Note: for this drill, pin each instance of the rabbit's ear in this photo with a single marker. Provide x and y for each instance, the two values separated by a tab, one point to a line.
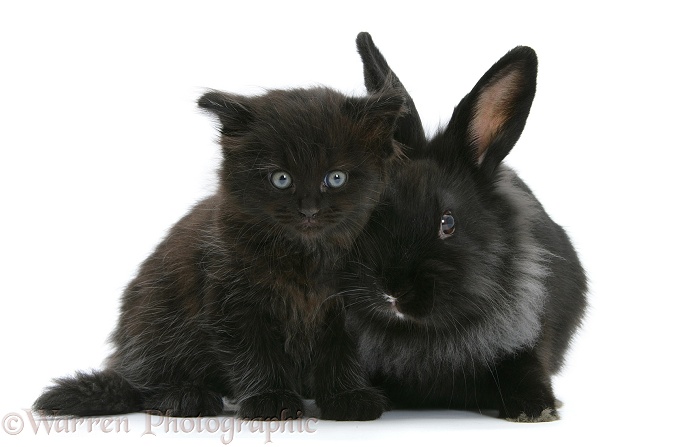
490	119
378	114
234	111
378	77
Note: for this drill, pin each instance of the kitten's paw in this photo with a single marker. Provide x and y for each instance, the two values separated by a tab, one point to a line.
364	404
529	412
281	405
185	402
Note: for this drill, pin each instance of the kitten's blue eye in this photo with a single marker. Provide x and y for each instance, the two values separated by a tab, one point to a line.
335	179
447	224
281	179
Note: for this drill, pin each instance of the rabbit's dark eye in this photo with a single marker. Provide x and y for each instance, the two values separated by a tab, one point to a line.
447	224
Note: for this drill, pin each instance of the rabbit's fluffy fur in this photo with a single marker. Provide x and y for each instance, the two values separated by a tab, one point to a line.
465	293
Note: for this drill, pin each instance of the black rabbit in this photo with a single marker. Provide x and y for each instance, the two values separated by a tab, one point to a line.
465	294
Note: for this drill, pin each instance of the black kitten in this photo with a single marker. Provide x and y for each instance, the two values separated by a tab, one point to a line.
470	292
240	299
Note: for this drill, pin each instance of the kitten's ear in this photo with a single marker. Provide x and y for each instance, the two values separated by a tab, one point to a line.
234	111
378	77
490	119
378	115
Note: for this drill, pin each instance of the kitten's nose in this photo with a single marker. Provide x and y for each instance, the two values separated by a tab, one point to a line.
308	207
309	212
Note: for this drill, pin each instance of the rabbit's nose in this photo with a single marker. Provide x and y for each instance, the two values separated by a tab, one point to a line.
393	301
390	298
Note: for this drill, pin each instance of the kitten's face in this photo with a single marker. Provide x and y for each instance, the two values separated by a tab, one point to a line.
307	169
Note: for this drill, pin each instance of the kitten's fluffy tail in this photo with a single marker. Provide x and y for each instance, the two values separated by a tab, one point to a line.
90	394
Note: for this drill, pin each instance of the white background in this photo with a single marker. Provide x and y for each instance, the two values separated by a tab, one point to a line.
102	149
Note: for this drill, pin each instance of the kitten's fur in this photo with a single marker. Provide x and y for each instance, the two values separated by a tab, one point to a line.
239	300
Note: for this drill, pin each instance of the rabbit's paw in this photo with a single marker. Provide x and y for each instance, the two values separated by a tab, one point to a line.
528	412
